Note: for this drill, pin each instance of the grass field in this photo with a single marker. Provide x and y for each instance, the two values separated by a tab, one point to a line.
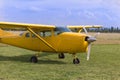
104	64
107	38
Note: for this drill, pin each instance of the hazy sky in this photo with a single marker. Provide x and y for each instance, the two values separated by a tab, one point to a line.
62	12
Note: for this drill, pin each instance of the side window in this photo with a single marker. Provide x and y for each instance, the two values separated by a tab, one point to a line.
46	33
27	35
42	34
33	36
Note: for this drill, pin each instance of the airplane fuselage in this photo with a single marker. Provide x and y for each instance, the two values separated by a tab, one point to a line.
67	42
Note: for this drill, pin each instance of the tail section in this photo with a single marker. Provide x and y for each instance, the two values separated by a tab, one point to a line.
4	34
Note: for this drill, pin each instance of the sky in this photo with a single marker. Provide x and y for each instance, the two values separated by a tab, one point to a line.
62	12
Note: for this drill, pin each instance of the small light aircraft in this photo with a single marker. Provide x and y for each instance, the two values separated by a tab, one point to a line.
48	38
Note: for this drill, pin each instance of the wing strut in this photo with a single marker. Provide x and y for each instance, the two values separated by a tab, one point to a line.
50	46
79	30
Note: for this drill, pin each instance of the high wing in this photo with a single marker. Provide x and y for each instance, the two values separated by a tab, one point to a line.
12	25
30	27
86	26
79	28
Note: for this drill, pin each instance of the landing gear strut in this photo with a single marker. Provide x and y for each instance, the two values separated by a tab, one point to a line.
61	56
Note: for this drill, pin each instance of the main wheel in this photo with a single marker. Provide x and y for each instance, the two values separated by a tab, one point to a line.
76	61
61	56
33	59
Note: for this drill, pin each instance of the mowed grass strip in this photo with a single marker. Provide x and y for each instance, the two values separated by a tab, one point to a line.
104	64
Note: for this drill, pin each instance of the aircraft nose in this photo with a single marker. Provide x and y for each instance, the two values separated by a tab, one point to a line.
90	39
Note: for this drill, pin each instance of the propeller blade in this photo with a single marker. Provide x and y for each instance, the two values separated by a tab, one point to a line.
88	53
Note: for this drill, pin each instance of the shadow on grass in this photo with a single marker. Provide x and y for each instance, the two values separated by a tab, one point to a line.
26	58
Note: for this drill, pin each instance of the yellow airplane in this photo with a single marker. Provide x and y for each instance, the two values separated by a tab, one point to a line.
48	38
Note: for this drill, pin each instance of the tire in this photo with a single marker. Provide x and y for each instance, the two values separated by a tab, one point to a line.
33	59
61	56
76	61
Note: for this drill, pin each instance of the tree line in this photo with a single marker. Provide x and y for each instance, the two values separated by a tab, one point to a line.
106	30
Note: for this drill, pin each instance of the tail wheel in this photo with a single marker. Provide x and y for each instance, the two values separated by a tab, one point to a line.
33	59
76	61
61	56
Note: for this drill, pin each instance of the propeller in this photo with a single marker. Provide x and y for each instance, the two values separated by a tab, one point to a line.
90	39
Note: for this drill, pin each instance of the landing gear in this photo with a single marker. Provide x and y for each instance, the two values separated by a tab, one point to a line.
61	56
33	59
76	61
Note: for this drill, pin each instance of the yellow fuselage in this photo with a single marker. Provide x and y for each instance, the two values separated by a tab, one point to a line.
67	42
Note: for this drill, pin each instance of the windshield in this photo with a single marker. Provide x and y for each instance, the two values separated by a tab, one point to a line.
62	29
59	30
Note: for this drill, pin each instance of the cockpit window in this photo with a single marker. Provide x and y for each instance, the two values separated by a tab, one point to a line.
46	33
33	36
59	30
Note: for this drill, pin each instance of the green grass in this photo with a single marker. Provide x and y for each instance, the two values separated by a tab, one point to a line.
104	64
